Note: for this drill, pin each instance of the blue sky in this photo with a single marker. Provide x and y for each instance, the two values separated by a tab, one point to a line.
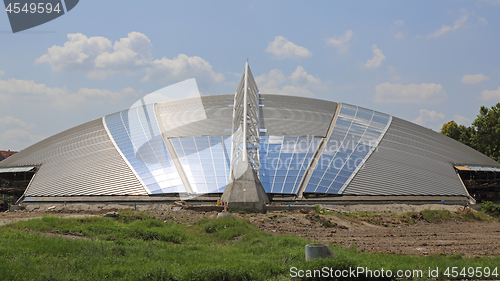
428	62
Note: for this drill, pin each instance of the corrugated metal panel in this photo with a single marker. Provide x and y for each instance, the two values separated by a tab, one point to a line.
187	113
295	116
280	115
412	160
79	161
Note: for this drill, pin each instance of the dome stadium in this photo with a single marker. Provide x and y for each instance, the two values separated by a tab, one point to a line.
300	149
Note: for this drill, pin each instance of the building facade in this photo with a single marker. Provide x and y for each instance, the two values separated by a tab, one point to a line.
307	148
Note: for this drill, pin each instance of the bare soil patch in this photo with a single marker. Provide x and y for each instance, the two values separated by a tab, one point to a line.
469	239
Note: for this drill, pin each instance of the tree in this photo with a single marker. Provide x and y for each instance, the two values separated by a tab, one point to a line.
483	135
451	130
486	137
457	132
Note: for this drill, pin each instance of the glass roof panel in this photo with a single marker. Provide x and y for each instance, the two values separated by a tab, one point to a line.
137	135
355	134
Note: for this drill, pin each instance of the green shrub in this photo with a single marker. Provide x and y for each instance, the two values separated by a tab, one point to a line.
432	215
490	208
227	228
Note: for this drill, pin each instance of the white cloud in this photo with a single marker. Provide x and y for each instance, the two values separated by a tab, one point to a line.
271	83
14	133
342	42
461	120
399	22
411	93
399	35
271	80
181	68
490	95
446	28
99	58
430	119
12	121
474	78
300	78
28	91
282	48
78	53
132	51
15	139
482	21
1	73
295	91
378	58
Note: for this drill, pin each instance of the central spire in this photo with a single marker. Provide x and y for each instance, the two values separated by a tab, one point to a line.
244	190
245	127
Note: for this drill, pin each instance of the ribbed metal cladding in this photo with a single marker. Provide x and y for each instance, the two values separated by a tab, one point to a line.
295	116
79	161
279	115
216	109
413	160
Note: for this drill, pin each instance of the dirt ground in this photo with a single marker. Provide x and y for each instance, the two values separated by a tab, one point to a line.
469	239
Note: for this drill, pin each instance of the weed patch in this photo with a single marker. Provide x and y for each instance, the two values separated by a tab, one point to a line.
491	208
142	248
226	228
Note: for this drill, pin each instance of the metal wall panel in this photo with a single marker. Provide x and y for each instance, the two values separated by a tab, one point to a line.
216	109
295	116
79	161
279	115
413	160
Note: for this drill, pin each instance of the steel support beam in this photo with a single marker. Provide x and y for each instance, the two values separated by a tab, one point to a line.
245	127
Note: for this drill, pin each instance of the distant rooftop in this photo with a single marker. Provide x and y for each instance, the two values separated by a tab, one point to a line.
6	154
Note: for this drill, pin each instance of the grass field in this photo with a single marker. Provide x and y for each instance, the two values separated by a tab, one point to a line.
490	213
136	246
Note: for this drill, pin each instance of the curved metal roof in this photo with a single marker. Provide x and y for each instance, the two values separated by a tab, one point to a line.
78	161
279	115
191	152
413	160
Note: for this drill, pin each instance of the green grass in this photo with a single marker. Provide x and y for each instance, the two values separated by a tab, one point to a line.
135	246
390	219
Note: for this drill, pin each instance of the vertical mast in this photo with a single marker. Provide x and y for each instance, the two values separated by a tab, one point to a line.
245	127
